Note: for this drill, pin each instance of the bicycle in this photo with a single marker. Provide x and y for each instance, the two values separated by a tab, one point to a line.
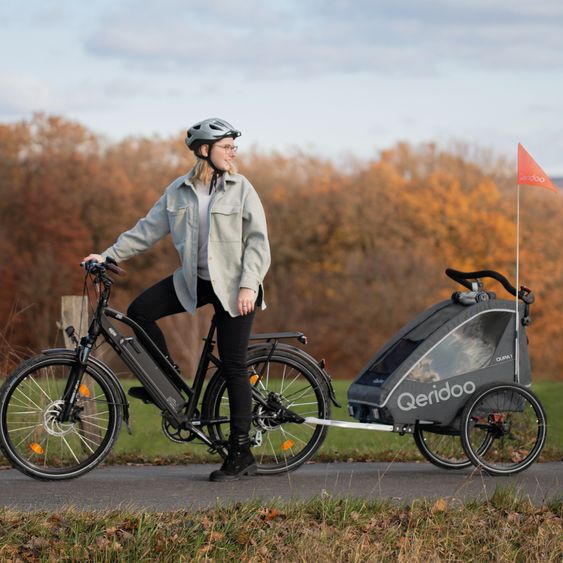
56	423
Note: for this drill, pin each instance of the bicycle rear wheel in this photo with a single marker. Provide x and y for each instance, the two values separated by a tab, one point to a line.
290	387
515	419
32	437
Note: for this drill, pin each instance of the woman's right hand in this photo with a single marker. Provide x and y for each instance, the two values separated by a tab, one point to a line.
96	257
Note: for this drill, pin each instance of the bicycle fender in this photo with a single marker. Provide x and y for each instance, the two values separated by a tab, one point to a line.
105	370
310	360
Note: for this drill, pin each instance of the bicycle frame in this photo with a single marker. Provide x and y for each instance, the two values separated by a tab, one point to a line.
170	393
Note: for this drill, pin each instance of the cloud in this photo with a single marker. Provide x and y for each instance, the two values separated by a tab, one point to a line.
314	37
23	94
20	93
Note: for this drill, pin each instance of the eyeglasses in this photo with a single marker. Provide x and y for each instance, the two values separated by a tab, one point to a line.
228	148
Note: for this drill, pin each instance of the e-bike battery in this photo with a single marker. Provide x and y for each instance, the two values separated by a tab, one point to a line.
159	387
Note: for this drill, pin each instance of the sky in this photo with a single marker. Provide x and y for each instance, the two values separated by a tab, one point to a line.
331	77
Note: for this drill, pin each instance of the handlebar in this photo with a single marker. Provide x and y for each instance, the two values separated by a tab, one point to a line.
94	267
525	293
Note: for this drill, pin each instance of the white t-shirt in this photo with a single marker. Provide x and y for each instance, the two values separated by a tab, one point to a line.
203	198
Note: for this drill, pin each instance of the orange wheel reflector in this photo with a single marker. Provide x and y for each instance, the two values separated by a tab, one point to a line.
287	444
36	448
254	378
84	390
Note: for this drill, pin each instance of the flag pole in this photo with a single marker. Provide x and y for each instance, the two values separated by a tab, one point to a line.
517	327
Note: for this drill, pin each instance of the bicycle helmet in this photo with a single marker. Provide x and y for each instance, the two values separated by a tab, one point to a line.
209	131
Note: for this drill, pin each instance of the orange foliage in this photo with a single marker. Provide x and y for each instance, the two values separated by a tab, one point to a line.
356	252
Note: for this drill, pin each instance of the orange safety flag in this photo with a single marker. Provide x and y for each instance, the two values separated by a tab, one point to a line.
530	172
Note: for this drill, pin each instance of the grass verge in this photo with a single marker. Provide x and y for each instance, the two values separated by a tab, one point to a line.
504	528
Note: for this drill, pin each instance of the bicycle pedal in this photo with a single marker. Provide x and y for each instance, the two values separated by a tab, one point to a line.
140	393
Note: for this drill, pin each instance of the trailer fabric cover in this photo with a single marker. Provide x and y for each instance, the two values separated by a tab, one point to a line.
391	363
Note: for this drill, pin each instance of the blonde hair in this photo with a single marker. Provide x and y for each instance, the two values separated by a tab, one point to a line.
203	172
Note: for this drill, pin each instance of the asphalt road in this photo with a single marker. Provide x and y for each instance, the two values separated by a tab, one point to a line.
183	487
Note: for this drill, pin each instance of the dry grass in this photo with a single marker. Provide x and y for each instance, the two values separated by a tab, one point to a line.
10	355
505	528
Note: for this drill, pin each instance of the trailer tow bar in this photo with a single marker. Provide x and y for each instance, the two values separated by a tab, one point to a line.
344	424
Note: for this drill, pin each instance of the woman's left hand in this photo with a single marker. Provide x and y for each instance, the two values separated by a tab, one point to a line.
246	300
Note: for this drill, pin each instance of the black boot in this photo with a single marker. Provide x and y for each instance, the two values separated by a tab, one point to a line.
239	461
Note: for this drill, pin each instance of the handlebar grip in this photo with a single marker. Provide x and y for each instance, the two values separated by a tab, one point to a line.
116	269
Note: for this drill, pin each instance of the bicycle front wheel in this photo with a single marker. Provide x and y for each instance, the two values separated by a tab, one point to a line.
286	390
34	439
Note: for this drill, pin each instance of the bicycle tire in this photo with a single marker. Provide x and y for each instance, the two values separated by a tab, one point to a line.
278	451
81	444
515	417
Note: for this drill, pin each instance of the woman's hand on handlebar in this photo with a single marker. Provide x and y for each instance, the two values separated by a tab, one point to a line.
93	257
109	264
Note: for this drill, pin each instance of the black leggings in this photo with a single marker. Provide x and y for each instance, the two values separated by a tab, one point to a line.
161	300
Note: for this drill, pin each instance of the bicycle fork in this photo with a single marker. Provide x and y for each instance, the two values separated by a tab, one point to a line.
75	379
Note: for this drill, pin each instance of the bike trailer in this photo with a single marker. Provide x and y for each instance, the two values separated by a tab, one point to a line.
428	370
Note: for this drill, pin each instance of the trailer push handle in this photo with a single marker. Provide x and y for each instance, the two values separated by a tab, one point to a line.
525	294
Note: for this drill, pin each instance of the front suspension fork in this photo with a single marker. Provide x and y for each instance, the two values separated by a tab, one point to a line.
75	379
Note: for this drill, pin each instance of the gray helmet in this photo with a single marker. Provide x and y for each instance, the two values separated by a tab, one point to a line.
209	131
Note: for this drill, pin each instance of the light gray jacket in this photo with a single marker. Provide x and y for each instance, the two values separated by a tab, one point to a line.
238	248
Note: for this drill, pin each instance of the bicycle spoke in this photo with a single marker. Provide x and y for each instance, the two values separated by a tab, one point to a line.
41	389
302	394
285	440
291	383
29	399
19	403
84	431
288	433
85	442
301	404
304	388
283	379
97	415
25	428
272	446
25	438
71	450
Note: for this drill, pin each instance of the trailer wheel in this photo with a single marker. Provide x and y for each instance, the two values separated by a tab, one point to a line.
516	421
443	447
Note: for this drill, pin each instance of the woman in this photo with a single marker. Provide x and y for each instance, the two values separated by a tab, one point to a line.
219	229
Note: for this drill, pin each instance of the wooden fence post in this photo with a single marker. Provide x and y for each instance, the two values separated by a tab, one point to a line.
74	311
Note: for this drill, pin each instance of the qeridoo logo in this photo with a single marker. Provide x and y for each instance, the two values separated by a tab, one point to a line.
408	401
532	178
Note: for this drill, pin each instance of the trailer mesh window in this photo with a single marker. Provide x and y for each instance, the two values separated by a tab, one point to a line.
471	346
